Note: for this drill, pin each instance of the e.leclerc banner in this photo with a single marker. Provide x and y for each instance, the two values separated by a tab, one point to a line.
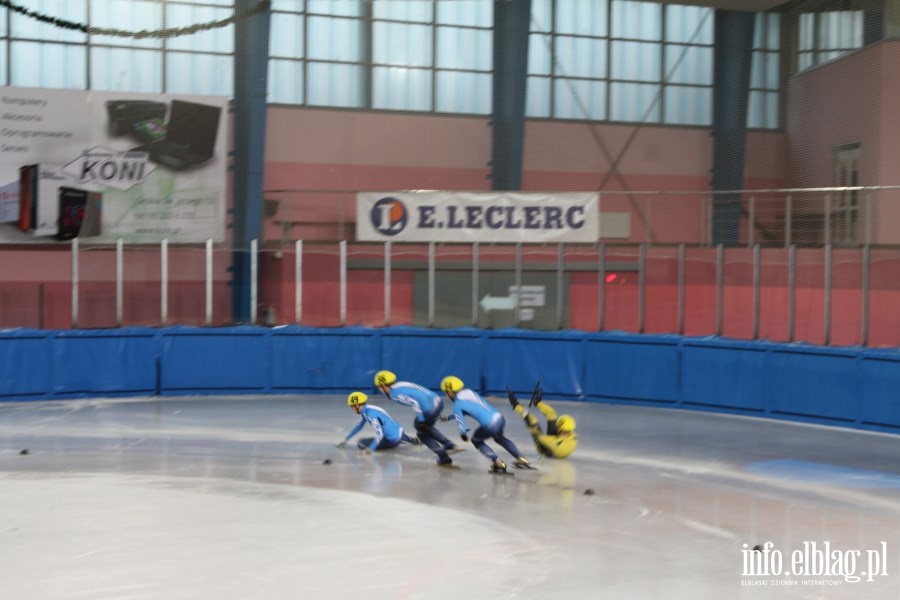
111	165
528	217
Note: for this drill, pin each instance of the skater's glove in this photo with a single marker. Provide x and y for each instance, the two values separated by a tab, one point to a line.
342	445
464	437
445	418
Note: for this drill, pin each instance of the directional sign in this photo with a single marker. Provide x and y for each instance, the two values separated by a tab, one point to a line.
489	303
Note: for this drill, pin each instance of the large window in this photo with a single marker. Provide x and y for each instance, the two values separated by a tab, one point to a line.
199	63
605	60
824	36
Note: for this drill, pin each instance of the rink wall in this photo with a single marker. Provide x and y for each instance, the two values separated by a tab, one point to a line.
854	387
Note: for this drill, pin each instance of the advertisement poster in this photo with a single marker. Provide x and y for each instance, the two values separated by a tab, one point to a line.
526	217
111	165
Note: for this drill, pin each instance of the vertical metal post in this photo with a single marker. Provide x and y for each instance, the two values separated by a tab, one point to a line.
387	283
827	292
866	263
710	218
681	291
164	282
560	283
518	292
720	287
792	290
120	273
757	308
648	232
642	282
868	233
254	280
298	281
751	221
827	209
431	279
209	282
75	276
475	290
788	221
342	250
601	286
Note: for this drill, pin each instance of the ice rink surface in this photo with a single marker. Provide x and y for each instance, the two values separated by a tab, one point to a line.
231	498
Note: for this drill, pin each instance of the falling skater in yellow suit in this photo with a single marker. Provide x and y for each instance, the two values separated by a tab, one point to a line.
560	440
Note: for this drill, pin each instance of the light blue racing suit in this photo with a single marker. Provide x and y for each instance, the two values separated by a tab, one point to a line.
490	423
428	406
388	432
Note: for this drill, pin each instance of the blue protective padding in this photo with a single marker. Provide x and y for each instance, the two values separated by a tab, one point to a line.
880	375
323	359
426	356
517	358
108	361
814	382
632	367
724	374
24	363
229	359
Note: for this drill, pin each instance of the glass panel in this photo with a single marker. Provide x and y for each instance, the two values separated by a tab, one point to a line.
580	99
661	290
289	5
200	74
537	103
48	65
334	39
636	61
401	44
463	93
334	85
286	36
542	15
581	57
220	38
621	291
402	10
582	17
464	49
689	24
636	20
128	15
4	75
124	70
343	8
807	32
737	295
700	291
540	61
399	88
285	82
771	110
634	102
479	13
689	64
23	26
846	297
688	105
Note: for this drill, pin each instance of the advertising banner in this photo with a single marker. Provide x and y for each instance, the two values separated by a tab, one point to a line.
111	165
465	217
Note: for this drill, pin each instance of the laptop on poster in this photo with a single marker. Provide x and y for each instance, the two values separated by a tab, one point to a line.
190	136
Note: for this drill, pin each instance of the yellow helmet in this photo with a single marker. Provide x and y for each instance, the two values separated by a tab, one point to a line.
384	378
565	424
451	383
356	399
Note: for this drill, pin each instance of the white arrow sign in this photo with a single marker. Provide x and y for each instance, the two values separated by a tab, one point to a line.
489	303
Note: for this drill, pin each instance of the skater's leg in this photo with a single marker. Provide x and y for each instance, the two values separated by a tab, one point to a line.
425	433
478	438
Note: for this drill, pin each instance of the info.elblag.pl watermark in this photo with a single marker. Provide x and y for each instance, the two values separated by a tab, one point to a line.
814	563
